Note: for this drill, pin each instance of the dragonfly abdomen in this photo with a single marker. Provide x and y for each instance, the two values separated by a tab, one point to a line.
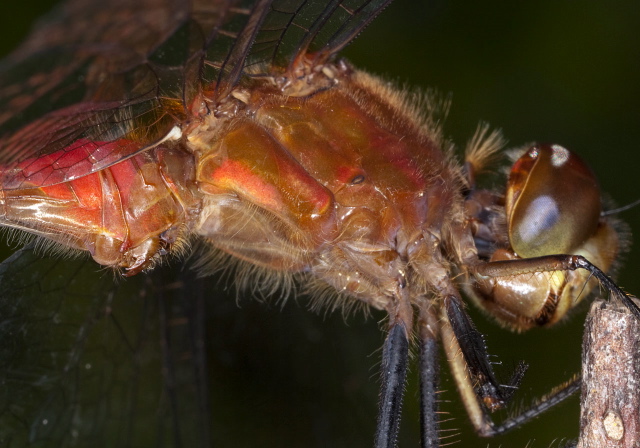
124	215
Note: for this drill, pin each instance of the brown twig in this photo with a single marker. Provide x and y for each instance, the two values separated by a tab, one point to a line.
610	400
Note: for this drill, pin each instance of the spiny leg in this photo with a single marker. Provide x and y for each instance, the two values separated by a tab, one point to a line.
553	398
552	263
393	371
480	390
428	334
493	394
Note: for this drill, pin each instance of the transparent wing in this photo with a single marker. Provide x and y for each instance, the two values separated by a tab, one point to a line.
285	31
313	29
86	362
81	360
97	82
115	76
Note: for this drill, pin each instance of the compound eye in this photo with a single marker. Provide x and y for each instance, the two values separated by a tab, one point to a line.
552	202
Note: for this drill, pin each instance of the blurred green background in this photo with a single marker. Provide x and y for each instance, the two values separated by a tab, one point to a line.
550	71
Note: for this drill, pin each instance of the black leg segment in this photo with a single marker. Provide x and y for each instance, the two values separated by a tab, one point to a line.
429	384
393	371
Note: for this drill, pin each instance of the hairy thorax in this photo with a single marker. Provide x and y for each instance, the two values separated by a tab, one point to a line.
343	184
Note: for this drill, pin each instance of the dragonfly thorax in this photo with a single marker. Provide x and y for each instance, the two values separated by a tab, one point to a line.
344	184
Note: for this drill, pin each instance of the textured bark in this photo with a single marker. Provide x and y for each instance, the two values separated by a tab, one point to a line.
610	400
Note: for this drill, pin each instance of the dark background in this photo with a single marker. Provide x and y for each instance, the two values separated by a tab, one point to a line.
550	71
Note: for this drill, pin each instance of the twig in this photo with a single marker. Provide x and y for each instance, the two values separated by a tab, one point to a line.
610	400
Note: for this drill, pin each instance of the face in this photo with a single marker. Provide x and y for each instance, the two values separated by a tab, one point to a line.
541	74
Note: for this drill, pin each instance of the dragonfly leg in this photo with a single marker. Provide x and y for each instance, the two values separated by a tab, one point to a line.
552	263
479	387
393	372
428	334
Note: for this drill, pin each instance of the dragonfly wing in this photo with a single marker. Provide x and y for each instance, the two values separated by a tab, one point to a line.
117	74
98	82
278	33
80	358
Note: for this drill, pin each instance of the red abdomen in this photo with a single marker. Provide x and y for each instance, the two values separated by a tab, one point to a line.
117	214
